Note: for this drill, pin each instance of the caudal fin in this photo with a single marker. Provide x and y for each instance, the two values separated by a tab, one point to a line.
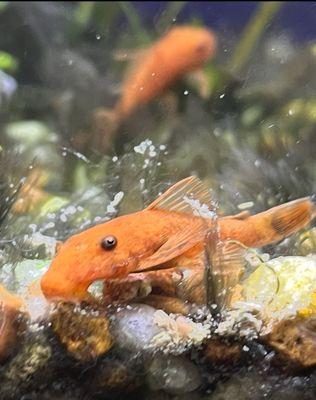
281	221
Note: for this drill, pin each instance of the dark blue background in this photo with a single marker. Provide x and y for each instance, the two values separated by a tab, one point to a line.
298	18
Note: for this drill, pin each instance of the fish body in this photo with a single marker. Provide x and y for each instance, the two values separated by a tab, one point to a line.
11	322
182	50
168	238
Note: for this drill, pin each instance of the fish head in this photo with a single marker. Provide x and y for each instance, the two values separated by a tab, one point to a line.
192	45
107	251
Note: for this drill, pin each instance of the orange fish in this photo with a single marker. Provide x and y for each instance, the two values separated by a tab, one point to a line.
182	50
11	321
169	245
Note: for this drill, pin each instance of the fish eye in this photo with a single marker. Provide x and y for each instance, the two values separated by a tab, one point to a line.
109	242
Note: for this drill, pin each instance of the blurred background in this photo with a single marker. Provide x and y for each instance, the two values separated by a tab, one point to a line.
246	124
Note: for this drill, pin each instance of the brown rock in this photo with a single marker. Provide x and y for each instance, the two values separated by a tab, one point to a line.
295	341
83	332
223	352
113	376
12	323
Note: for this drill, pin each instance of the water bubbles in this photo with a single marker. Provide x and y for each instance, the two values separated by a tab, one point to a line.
111	208
152	151
246	205
217	132
257	163
98	36
63	218
142	147
146	163
201	210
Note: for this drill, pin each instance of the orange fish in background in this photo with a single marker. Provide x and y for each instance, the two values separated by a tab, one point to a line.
31	195
169	246
182	50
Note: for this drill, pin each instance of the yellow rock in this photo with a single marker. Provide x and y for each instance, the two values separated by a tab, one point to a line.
282	287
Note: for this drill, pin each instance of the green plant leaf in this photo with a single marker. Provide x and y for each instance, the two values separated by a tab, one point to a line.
8	62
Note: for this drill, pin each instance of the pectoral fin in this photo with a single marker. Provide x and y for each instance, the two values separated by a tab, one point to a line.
176	245
224	267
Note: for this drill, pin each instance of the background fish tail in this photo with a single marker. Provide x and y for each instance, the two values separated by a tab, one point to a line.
106	123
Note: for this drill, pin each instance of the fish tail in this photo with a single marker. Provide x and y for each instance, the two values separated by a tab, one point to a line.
106	123
281	221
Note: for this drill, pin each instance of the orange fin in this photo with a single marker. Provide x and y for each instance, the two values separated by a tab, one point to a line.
225	264
187	196
199	79
191	286
284	220
175	246
288	218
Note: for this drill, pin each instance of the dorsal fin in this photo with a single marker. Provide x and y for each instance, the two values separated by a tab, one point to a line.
188	196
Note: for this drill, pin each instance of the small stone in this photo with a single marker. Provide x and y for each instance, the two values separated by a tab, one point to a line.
34	355
134	327
85	333
175	375
29	132
113	375
222	352
307	242
294	339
